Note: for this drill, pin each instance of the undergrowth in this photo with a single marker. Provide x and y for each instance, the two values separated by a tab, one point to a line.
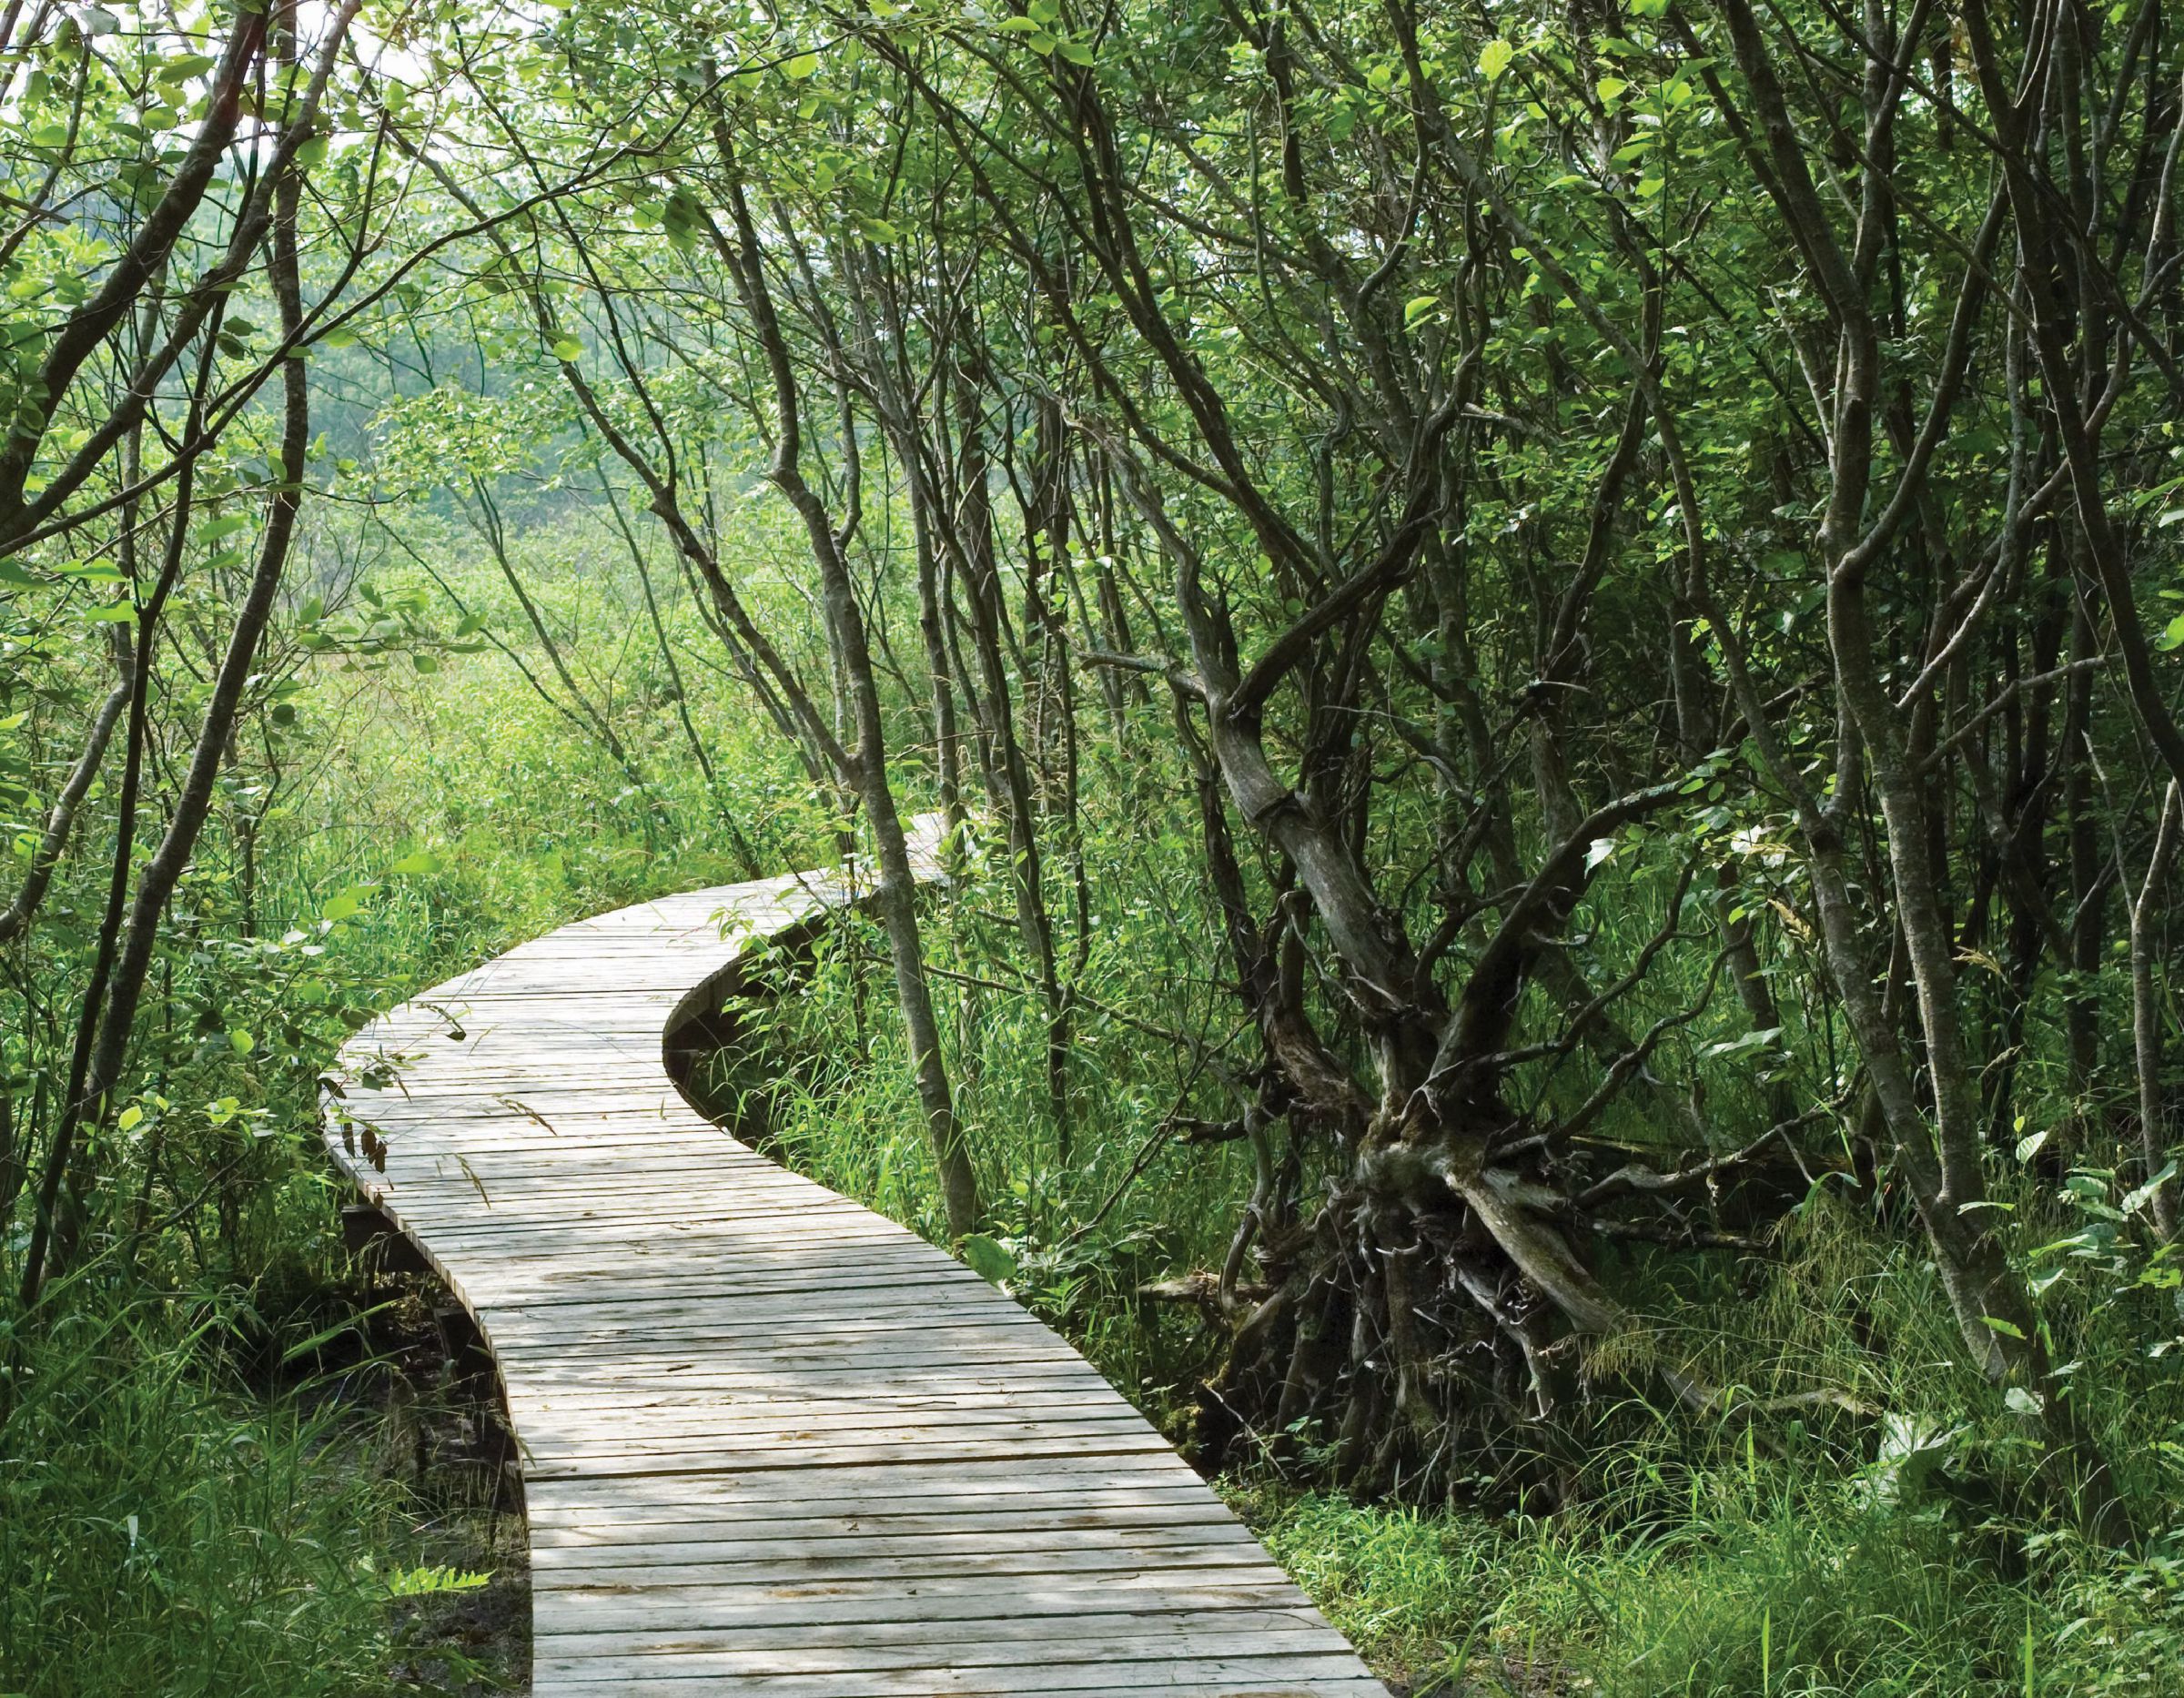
185	1511
1779	1585
167	1528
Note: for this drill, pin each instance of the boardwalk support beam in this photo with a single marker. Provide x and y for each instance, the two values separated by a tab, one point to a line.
368	1235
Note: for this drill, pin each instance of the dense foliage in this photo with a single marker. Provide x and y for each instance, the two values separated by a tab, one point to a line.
1549	633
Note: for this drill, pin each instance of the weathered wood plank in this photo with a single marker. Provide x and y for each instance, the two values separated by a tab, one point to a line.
1291	1677
1070	1521
1121	1639
1281	1671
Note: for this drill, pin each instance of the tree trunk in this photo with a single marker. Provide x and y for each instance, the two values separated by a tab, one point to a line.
896	896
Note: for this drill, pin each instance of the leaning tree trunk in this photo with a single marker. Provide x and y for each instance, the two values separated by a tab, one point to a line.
896	896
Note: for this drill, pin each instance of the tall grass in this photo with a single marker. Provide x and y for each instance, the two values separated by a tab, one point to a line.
1789	1585
165	1529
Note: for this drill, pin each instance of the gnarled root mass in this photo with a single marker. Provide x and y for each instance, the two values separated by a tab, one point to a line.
1425	1324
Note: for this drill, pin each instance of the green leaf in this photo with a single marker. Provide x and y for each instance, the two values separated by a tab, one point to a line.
2141	1196
241	1042
420	1582
421	865
130	1118
2009	1329
680	216
1493	60
2173	637
1610	88
987	1260
803	65
1417	307
567	348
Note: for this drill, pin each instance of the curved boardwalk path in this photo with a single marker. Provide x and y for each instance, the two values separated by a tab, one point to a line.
773	1445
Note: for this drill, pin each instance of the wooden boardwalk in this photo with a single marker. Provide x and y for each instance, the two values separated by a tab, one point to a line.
773	1445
